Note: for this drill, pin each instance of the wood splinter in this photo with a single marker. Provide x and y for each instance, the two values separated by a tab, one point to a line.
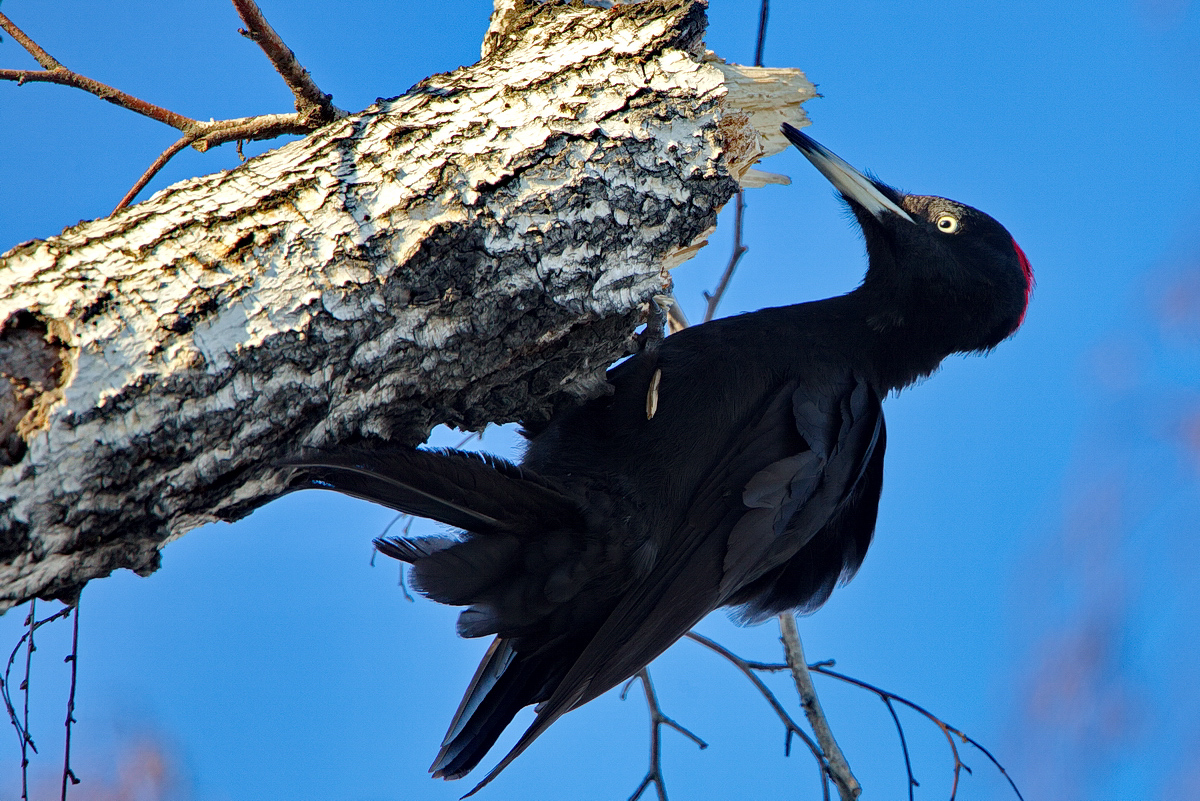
652	394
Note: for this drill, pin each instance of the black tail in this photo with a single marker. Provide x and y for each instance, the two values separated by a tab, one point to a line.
502	507
496	569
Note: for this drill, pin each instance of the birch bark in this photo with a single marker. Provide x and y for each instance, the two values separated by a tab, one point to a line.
476	250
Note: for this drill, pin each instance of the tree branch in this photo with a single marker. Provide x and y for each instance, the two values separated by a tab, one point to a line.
839	769
68	775
313	108
791	727
912	780
825	669
654	775
22	729
26	739
43	58
739	250
310	100
760	43
949	731
204	135
477	250
153	169
54	72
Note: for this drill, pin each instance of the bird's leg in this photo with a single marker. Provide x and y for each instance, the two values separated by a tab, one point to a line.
650	339
656	321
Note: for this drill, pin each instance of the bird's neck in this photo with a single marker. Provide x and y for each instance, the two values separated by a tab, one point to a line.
892	343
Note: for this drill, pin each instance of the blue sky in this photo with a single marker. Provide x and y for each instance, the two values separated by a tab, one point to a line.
1034	577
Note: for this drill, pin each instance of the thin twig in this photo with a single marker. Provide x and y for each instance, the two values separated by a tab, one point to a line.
375	551
309	97
762	34
839	769
739	250
947	729
205	135
657	720
791	727
23	731
399	516
55	72
314	108
468	438
69	774
39	55
29	649
408	525
153	169
912	780
888	698
66	77
400	578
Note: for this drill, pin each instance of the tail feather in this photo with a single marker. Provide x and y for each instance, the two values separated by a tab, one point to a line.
410	549
471	491
465	573
505	683
497	659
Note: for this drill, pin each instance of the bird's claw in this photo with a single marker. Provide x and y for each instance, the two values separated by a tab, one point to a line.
656	321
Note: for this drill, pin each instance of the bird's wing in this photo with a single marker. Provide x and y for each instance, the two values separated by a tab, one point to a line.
799	498
471	491
805	580
800	447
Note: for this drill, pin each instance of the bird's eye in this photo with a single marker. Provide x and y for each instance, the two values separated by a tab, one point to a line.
946	223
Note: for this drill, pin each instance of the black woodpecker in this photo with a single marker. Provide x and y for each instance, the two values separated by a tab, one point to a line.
737	463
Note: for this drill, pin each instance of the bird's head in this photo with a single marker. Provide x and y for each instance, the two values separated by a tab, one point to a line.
942	269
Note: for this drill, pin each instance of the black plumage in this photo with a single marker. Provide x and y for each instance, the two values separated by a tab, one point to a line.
736	463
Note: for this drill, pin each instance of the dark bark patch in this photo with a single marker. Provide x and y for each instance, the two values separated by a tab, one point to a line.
96	307
35	362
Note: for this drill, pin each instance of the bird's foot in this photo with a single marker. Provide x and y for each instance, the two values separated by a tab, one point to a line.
656	322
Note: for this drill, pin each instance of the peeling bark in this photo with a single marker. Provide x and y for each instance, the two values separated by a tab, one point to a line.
476	250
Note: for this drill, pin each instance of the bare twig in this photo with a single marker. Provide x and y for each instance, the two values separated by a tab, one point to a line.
5	684
39	55
888	698
839	769
25	741
657	720
310	100
739	249
762	34
54	72
791	727
468	438
204	135
949	731
314	108
68	774
374	551
912	780
153	169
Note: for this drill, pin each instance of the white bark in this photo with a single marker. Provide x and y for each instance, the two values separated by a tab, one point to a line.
478	249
